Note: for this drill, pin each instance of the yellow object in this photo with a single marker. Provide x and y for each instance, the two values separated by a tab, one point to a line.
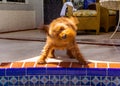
107	18
87	22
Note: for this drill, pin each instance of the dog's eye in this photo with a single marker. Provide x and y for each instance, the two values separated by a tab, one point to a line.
62	28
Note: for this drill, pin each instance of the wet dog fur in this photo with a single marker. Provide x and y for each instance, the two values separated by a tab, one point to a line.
61	34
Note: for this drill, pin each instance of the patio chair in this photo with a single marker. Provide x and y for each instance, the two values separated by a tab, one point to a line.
107	18
89	19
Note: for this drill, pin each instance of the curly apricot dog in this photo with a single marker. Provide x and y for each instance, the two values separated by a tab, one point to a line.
61	34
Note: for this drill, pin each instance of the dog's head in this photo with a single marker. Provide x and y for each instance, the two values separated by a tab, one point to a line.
63	28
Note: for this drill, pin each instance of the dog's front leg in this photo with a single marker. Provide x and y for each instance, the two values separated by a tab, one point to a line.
51	53
44	54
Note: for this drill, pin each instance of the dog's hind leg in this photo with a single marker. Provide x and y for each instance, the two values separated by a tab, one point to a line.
69	53
77	54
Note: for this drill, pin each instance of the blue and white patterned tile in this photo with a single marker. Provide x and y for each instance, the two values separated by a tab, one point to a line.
44	80
3	81
85	80
54	80
115	81
96	81
106	81
64	80
75	80
34	80
13	80
23	80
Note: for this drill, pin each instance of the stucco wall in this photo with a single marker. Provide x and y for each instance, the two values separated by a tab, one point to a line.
13	20
31	15
38	7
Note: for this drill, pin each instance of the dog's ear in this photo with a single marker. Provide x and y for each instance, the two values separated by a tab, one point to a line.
75	20
44	28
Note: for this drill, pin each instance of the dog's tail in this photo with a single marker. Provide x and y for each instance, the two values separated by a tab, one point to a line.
44	28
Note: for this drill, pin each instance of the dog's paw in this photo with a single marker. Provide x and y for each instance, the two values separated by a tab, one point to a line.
41	61
83	62
51	57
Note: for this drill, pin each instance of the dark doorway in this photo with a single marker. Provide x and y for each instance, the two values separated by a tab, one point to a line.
52	10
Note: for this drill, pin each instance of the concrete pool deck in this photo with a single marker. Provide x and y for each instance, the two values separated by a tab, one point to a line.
24	47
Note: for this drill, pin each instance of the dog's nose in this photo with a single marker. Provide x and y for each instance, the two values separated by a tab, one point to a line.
64	36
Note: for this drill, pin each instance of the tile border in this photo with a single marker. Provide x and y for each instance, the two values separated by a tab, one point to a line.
60	71
72	68
60	76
